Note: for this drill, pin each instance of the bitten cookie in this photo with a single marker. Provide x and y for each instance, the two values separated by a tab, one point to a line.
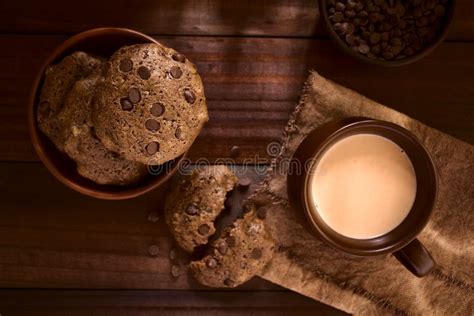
94	161
237	255
195	201
151	105
58	82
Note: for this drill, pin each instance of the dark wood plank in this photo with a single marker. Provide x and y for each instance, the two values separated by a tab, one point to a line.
53	237
252	85
279	18
53	302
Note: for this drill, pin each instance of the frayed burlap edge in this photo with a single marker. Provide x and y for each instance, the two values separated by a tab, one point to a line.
342	292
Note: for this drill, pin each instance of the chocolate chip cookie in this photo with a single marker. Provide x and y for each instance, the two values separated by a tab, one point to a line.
58	82
151	105
94	161
237	255
195	201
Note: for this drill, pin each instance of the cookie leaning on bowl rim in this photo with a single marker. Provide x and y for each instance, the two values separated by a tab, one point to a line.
150	105
58	83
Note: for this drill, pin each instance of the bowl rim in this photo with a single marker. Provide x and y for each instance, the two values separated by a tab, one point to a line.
34	132
392	63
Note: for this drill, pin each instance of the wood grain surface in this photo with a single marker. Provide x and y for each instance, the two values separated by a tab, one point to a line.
53	302
54	237
277	18
252	85
82	256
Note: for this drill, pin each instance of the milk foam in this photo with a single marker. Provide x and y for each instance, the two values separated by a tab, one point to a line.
363	186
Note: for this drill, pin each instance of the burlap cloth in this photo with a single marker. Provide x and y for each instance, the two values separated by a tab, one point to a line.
375	285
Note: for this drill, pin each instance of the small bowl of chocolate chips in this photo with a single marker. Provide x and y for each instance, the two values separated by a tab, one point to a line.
387	32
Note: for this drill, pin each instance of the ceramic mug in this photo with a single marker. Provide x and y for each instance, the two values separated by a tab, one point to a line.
401	241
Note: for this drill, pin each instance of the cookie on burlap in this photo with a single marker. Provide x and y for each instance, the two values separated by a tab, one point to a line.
151	105
195	201
242	251
94	161
58	82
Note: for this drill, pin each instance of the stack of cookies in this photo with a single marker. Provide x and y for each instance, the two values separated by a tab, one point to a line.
143	106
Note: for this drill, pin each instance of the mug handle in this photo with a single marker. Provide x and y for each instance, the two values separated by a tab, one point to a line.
415	258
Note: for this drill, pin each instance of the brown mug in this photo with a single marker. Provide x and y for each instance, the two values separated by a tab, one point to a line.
401	241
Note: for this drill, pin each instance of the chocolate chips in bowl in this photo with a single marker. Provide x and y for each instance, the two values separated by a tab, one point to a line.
387	32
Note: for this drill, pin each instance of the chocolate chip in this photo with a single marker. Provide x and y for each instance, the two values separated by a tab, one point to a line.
222	246
262	213
366	35
204	229
157	109
189	96
134	95
144	73
126	65
350	28
350	13
351	39
153	250
235	151
153	217
229	282
178	133
364	49
339	6
364	21
231	241
176	72
179	57
363	15
387	55
152	148
244	182
113	154
374	38
152	125
337	17
211	263
396	41
388	24
256	253
173	254
350	4
192	209
175	270
126	104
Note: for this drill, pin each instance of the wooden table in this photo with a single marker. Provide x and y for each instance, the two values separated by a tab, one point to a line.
61	252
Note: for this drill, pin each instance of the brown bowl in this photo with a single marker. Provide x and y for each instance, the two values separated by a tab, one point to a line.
100	42
402	240
323	9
